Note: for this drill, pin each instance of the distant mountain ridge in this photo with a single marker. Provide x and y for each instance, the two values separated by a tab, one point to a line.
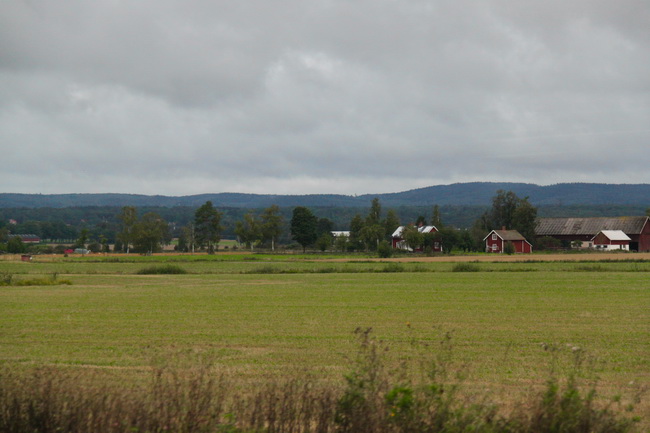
467	194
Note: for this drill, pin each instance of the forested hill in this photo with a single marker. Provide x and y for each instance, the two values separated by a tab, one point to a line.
458	194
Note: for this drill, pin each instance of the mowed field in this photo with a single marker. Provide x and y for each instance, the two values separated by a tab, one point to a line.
257	317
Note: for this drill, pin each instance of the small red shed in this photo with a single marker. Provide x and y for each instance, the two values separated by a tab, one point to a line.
496	240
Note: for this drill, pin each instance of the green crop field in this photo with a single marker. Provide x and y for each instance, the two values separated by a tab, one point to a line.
264	316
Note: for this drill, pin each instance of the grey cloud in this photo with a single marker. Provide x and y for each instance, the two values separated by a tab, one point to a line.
323	95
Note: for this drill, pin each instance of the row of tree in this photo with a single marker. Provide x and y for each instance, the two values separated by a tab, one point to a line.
371	232
150	232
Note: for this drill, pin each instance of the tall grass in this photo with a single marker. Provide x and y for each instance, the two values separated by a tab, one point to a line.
422	395
162	270
7	279
465	267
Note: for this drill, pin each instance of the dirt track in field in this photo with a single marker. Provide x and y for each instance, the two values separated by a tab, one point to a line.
508	258
560	257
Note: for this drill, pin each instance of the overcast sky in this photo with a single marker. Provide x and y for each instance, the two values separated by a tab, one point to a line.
321	96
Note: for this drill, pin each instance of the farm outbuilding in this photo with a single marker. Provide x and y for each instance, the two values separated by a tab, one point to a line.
496	241
611	240
572	230
26	238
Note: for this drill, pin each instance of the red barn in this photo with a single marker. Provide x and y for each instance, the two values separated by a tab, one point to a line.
27	238
569	230
611	240
496	240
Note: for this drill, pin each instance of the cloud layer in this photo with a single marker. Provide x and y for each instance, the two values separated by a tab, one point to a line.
363	96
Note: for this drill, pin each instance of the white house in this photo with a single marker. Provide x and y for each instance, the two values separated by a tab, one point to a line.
400	244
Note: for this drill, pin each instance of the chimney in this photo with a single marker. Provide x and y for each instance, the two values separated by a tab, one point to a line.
503	228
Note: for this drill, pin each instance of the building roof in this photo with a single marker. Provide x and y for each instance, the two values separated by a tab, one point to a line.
25	237
507	235
421	229
589	226
615	235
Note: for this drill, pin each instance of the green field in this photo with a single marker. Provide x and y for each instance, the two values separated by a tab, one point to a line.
269	316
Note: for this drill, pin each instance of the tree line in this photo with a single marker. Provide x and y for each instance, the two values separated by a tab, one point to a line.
266	228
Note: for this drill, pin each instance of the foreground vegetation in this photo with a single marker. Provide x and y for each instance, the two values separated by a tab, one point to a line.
423	395
251	342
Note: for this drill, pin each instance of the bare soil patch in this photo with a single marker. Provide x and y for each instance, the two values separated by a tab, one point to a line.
560	257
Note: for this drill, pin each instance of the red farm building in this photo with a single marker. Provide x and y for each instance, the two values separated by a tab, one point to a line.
611	240
27	238
496	241
570	230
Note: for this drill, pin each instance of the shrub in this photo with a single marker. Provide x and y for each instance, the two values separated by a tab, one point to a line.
164	269
465	267
7	279
15	245
590	268
568	410
95	247
393	267
384	250
375	399
60	249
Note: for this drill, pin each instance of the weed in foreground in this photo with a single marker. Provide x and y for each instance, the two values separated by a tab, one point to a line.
373	399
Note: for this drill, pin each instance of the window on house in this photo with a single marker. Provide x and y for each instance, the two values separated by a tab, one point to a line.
494	236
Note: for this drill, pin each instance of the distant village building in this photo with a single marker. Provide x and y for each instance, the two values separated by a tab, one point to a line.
27	238
496	241
582	231
611	240
337	234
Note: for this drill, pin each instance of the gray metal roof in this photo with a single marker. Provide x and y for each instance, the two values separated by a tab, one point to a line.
508	235
589	226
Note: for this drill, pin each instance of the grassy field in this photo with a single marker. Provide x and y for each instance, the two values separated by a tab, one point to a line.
261	316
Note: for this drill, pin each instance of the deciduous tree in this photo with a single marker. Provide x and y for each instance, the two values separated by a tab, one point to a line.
413	237
525	219
511	212
272	223
207	227
504	204
128	218
303	227
324	241
324	226
82	239
150	233
356	225
391	223
248	230
15	245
